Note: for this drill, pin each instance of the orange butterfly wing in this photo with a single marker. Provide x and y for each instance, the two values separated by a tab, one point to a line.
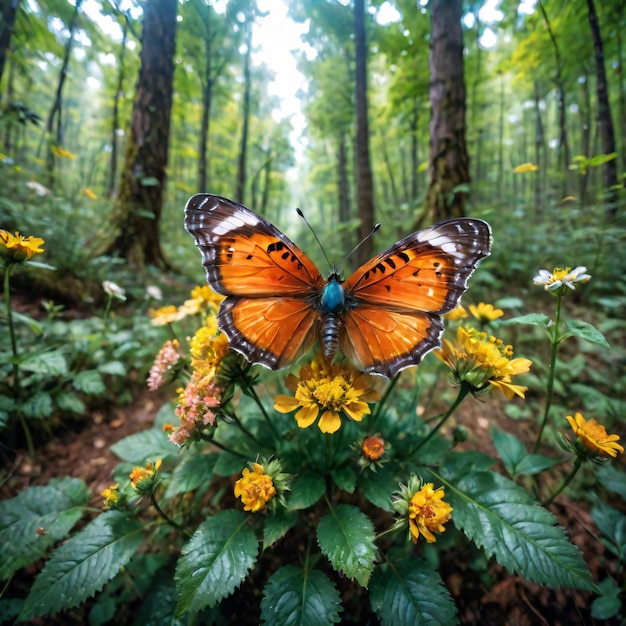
270	284
395	300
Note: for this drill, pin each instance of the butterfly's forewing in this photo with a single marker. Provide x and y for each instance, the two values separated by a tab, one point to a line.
397	298
269	282
245	255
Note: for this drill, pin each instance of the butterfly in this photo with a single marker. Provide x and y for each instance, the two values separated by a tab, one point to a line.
385	317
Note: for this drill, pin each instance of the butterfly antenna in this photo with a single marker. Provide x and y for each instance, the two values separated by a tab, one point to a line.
358	245
319	243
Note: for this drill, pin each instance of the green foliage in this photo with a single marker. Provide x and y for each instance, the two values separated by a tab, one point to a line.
297	597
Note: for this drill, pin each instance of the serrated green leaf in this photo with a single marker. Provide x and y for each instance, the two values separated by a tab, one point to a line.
609	604
584	330
51	363
38	405
535	319
193	471
89	382
55	508
148	445
346	538
295	597
411	592
533	464
67	401
159	607
306	489
507	523
378	486
509	447
276	525
84	564
215	561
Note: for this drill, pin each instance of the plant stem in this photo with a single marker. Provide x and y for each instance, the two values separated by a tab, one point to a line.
551	374
464	389
253	394
15	364
392	383
169	520
566	481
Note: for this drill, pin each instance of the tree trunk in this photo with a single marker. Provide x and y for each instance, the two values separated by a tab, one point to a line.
364	181
449	161
540	150
243	146
115	122
143	178
605	121
54	125
9	13
414	155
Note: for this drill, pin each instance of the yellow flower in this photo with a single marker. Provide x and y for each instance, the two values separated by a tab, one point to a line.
373	448
593	437
428	513
422	507
456	314
481	360
62	152
203	298
208	347
141	478
17	248
255	488
88	193
329	389
485	312
164	315
112	496
561	279
525	167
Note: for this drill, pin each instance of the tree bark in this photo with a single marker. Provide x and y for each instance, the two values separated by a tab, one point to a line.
605	121
449	160
9	13
243	146
144	174
364	181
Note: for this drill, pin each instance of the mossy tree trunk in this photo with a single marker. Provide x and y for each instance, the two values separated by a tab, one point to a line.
138	214
449	161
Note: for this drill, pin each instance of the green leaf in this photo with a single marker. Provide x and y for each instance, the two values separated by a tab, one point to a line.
55	508
113	368
608	605
509	447
535	319
533	464
215	561
345	478
84	564
503	518
27	320
148	445
193	471
38	405
584	330
67	401
276	525
228	464
346	537
51	363
378	486
295	597
612	524
612	479
410	591
306	490
89	382
510	302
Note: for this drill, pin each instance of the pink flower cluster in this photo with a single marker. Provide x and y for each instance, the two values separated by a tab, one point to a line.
167	357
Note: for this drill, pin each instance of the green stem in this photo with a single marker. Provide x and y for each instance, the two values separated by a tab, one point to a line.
221	446
244	430
253	394
566	481
464	389
551	374
15	364
168	519
390	387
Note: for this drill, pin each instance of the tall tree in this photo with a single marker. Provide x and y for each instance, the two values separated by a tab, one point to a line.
8	13
137	219
245	114
449	161
605	120
364	180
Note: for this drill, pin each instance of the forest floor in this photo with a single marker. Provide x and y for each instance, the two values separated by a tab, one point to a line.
486	597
